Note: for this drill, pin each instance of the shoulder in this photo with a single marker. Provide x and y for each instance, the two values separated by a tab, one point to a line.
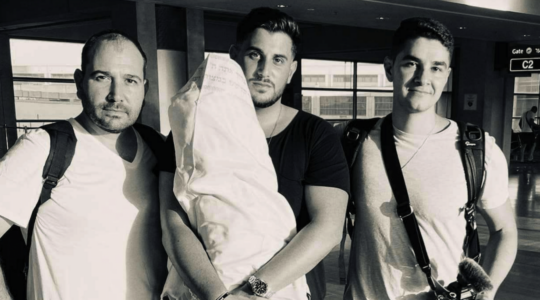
33	140
314	125
495	190
493	154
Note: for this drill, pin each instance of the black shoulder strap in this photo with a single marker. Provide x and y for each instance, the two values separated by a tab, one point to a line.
352	139
354	135
473	155
399	189
62	150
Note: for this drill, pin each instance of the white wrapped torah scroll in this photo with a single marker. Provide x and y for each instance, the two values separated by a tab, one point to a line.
225	180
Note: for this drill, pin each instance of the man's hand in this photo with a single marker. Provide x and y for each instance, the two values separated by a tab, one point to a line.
182	113
485	296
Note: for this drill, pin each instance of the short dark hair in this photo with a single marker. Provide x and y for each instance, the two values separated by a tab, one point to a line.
534	109
272	20
107	35
421	27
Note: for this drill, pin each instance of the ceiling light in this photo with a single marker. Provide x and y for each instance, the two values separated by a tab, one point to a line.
462	27
503	5
526	35
311	9
381	18
282	5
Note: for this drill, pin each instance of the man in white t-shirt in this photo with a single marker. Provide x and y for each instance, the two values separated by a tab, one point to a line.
99	235
382	264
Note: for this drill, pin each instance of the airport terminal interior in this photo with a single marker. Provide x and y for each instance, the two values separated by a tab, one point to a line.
495	74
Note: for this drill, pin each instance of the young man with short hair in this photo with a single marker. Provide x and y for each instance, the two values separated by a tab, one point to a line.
99	235
382	264
310	166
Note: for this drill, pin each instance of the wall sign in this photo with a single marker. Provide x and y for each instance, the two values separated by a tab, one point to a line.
524	58
525	64
470	101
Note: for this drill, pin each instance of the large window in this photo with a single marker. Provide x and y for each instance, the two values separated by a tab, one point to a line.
336	90
43	81
345	90
526	95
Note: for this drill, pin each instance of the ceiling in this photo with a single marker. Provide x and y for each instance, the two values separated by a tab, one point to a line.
520	22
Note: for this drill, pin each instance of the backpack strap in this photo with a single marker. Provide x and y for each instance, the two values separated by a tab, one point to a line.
352	139
399	189
154	140
473	155
62	150
354	135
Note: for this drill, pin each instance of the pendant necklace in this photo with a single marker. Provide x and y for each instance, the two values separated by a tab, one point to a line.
275	125
422	145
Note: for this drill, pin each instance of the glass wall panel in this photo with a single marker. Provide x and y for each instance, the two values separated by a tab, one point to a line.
522	103
328	104
45	100
372	77
327	74
40	102
44	59
374	104
527	85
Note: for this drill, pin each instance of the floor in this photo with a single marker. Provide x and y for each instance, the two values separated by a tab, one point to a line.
523	281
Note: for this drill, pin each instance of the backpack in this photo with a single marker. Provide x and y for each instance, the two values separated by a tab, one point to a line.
472	150
62	150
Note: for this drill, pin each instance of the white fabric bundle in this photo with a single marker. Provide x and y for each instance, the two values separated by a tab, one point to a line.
227	185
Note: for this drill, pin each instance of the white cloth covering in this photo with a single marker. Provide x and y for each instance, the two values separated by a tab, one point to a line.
231	194
99	236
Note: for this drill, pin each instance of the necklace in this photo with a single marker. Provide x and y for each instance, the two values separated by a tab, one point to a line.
275	125
421	145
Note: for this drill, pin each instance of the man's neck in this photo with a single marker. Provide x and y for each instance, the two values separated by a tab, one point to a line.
93	129
268	116
422	123
123	143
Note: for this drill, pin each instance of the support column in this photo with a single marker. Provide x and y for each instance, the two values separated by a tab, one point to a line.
8	136
146	33
195	39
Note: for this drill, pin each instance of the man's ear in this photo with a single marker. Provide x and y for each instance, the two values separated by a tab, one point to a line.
233	52
79	78
146	86
294	65
388	65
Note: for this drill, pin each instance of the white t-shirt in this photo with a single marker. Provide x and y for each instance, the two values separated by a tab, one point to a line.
99	235
382	264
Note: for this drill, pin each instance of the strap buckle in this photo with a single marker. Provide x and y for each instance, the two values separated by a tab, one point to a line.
354	131
411	211
50	182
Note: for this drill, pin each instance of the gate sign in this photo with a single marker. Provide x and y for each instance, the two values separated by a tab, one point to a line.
524	58
525	64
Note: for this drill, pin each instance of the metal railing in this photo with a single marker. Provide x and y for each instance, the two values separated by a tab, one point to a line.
23	126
